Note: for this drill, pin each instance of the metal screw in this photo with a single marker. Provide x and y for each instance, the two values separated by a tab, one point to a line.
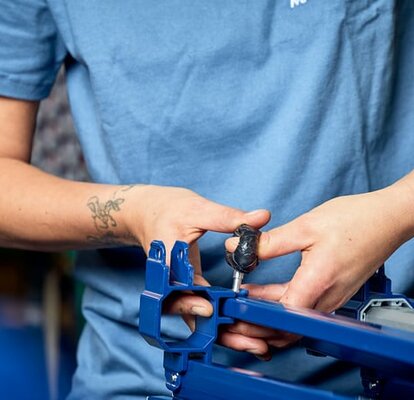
237	280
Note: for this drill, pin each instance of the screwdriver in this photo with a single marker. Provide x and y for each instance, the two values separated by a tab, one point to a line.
244	259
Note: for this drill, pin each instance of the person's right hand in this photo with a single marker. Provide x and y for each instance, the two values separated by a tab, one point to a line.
342	242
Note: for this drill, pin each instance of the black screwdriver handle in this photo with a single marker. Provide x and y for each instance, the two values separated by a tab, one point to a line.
245	259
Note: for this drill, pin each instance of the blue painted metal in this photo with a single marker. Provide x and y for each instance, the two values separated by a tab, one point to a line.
211	381
386	354
387	349
159	398
378	287
161	282
377	290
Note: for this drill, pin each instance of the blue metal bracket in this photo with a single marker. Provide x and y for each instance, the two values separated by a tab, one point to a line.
161	282
382	351
376	289
375	293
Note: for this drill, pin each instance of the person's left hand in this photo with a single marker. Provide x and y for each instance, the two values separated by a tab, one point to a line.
343	242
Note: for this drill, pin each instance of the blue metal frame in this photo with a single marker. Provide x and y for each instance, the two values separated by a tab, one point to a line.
378	287
204	381
386	354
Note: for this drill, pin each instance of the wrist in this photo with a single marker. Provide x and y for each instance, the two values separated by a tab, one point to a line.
111	212
400	198
132	217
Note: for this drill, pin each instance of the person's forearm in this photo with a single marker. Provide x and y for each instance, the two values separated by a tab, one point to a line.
42	212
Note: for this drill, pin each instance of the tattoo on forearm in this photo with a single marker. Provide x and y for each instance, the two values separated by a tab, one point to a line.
104	219
101	212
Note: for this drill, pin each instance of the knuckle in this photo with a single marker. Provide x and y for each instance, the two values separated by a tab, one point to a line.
229	215
265	240
243	329
306	224
236	328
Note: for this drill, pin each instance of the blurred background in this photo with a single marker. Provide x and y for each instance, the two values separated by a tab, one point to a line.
39	300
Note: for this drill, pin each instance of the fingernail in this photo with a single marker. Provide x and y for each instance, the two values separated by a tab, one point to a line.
201	311
255	352
232	241
260	355
265	357
255	212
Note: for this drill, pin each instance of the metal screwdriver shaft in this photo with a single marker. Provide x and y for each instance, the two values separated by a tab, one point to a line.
244	259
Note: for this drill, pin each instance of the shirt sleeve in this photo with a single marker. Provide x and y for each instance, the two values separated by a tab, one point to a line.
31	49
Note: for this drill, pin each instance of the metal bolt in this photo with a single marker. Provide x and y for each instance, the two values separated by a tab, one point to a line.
237	280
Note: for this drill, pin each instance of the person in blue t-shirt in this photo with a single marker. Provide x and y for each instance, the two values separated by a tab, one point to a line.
190	113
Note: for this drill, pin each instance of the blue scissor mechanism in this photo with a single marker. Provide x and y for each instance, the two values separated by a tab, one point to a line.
384	353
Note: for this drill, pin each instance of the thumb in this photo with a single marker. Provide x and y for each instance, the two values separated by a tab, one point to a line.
218	218
305	288
272	292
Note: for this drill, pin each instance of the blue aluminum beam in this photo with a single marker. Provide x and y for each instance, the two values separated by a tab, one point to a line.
382	348
213	382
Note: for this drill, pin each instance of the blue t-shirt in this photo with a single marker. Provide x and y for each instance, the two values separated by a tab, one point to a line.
254	104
